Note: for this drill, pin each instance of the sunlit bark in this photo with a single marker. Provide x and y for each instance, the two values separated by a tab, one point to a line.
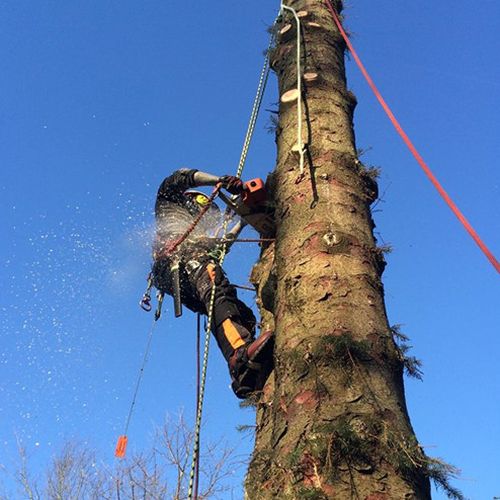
332	421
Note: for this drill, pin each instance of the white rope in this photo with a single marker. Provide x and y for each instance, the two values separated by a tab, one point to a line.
300	142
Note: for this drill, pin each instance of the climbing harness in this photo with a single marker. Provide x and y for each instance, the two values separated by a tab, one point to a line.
168	251
451	204
300	146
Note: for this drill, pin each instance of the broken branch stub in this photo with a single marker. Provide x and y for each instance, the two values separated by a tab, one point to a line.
290	96
310	76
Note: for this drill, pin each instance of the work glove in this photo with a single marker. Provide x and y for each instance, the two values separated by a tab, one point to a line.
232	184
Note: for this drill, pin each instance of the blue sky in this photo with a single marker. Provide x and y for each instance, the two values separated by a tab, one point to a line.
99	101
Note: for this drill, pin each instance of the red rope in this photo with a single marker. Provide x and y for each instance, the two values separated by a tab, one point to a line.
410	145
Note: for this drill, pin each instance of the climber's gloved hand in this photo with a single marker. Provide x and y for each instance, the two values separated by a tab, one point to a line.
232	184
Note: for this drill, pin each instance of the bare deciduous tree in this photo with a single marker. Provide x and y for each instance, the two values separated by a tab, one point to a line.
158	473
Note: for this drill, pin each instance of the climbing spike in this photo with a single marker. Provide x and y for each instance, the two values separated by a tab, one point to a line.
302	13
314	25
121	447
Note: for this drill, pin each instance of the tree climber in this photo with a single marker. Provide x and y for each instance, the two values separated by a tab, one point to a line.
233	322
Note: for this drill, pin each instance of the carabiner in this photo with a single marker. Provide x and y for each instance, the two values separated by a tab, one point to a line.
145	302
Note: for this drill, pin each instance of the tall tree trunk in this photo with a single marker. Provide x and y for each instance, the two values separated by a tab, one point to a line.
332	421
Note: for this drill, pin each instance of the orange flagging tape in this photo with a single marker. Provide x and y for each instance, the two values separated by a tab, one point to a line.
121	447
489	255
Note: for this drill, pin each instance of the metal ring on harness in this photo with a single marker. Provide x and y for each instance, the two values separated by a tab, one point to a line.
145	303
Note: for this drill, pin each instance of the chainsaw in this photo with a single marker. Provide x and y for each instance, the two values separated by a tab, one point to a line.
253	206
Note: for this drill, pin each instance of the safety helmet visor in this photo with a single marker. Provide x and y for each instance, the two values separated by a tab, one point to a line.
198	200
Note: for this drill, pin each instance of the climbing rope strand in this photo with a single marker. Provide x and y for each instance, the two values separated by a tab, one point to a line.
300	142
243	240
193	476
264	76
141	373
454	208
193	484
201	392
250	240
198	378
243	287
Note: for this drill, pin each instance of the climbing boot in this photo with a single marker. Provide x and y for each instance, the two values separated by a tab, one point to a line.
251	364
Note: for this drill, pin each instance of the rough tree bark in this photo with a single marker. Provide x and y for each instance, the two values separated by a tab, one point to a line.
332	420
